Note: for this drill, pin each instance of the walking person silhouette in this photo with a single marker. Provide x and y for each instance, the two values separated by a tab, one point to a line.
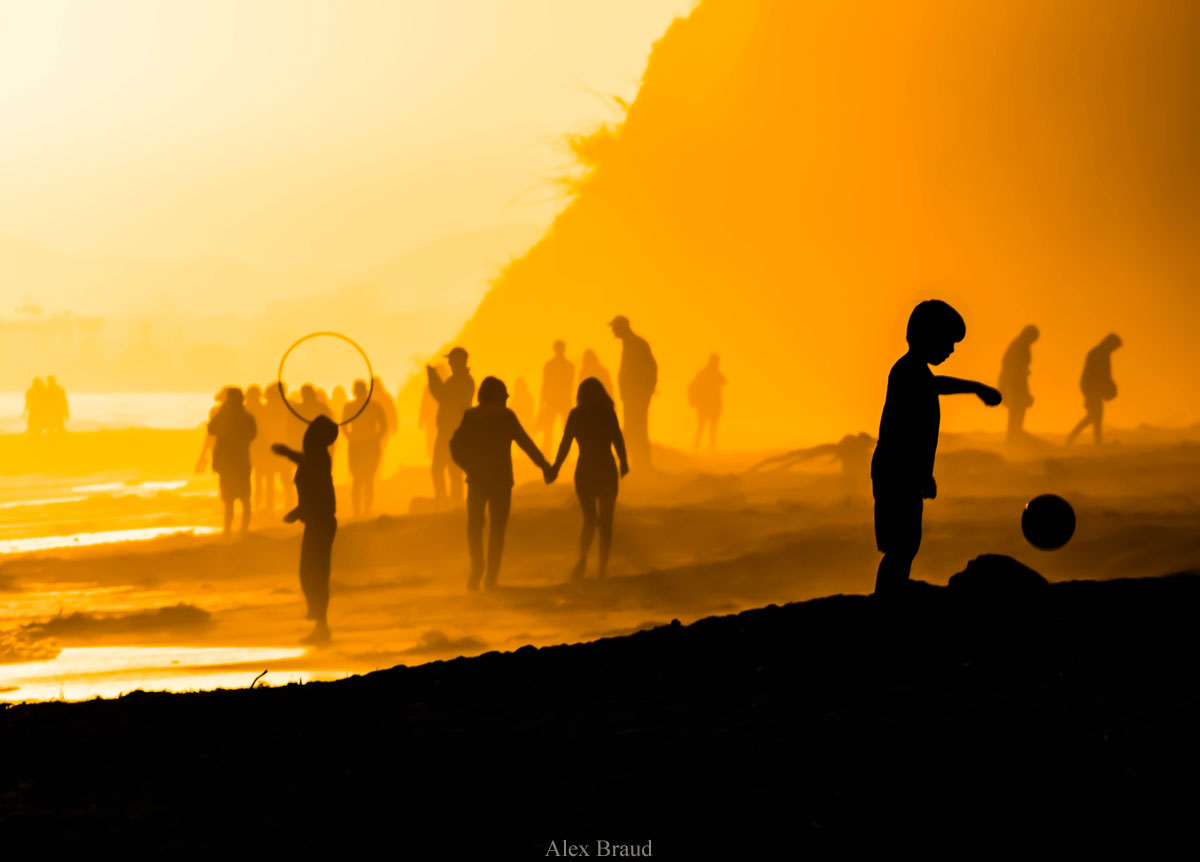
558	375
317	510
453	396
233	430
704	393
1098	386
902	467
637	380
482	446
1014	381
593	425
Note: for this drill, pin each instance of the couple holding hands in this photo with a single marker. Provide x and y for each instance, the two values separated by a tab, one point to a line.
482	447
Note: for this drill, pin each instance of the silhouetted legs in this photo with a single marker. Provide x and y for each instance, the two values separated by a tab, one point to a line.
597	512
1095	418
316	552
497	501
1016	424
289	490
229	514
261	480
709	419
364	466
235	486
637	432
894	570
898	535
442	464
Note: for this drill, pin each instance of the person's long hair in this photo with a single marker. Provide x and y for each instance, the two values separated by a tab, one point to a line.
593	395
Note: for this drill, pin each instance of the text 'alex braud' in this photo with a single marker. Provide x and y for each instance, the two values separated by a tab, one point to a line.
599	848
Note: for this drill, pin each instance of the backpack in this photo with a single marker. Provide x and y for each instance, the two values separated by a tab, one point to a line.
466	443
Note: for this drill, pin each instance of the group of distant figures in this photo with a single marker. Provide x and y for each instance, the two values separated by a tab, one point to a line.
1097	385
46	410
450	391
476	442
471	443
243	425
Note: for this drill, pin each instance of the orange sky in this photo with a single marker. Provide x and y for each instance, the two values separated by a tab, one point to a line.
284	133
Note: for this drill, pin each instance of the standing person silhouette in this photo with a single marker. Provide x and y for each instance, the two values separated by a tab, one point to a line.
1098	386
277	422
57	412
427	414
1014	381
365	447
593	424
317	510
482	446
453	396
589	366
704	393
233	430
260	446
637	380
902	467
558	376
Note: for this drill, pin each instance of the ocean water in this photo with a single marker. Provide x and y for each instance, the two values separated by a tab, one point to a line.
92	411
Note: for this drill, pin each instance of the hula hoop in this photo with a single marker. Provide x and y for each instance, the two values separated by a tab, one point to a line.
352	343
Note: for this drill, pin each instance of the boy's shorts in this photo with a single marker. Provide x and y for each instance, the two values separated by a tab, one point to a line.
898	522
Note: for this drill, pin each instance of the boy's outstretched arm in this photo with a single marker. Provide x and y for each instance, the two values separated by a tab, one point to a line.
956	386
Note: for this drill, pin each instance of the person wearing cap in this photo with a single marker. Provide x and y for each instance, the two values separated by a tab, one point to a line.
482	446
636	380
453	396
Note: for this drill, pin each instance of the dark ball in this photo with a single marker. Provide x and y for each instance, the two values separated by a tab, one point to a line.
1048	522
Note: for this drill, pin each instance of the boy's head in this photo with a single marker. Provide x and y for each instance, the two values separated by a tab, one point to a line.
934	328
493	391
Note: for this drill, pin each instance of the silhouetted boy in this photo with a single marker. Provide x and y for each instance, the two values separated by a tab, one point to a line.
317	509
482	446
902	468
